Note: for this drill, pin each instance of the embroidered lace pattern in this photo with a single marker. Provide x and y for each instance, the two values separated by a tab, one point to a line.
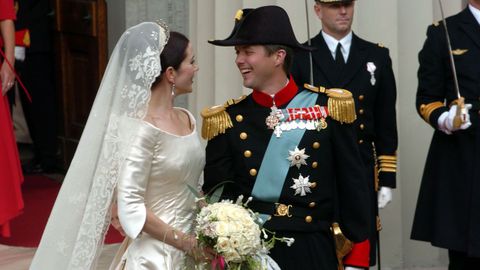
80	218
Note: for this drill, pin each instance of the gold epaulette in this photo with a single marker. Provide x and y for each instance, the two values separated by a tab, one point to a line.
216	119
380	45
387	163
427	109
437	23
341	106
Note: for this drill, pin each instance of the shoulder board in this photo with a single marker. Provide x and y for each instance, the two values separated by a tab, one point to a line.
315	89
234	101
216	119
341	106
437	23
381	45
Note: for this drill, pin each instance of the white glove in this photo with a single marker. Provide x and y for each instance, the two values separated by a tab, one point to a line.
353	268
445	121
384	197
20	53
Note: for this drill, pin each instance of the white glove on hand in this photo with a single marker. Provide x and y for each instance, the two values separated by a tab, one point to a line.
384	197
353	268
445	121
20	53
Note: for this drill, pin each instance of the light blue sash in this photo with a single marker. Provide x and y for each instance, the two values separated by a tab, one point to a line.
274	168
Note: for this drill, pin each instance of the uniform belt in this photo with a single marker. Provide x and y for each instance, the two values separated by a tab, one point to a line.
285	210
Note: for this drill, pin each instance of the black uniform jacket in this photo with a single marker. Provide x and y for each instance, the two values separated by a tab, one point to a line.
375	104
333	165
36	16
448	207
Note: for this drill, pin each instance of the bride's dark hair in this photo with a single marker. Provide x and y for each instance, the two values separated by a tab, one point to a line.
174	52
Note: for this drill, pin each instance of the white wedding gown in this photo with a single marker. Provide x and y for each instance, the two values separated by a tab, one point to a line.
156	174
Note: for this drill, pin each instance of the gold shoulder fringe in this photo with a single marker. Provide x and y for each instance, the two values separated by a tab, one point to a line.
341	106
216	120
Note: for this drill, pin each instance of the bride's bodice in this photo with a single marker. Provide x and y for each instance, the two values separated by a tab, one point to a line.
158	173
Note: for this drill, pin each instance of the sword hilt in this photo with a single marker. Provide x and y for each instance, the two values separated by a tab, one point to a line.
460	115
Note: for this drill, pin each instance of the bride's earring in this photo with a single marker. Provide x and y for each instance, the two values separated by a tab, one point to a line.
173	89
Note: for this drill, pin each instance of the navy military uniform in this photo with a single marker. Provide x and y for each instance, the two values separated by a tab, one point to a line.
369	76
294	153
37	73
332	168
447	213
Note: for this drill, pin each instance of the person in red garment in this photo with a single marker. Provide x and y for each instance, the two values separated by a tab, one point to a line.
11	178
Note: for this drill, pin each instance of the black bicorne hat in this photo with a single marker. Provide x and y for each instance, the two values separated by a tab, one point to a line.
268	25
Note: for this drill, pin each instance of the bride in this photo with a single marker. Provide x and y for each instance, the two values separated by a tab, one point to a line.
139	149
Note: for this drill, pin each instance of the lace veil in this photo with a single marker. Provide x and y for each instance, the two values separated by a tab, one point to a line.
74	235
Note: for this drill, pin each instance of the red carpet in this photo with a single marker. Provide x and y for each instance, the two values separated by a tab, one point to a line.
39	193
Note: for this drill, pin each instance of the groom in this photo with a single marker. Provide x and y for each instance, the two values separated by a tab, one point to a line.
292	149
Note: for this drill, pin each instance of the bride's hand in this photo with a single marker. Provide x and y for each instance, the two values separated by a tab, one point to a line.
202	254
114	220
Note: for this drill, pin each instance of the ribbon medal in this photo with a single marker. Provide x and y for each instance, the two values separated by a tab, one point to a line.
309	118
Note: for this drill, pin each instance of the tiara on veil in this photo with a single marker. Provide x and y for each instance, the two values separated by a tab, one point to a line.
165	28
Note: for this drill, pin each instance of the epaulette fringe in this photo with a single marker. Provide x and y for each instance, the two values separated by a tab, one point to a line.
216	120
341	106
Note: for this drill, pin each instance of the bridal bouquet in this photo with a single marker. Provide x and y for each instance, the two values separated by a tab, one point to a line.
233	231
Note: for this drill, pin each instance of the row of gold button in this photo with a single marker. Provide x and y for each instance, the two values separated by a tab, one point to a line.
361	111
253	172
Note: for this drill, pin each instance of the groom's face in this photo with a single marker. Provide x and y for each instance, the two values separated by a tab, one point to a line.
255	66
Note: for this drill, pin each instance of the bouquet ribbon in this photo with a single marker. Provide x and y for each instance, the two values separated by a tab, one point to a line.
218	261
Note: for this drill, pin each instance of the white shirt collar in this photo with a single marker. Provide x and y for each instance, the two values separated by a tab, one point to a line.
476	12
332	43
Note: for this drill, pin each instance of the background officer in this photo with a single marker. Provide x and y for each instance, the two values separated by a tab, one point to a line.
343	60
447	213
36	72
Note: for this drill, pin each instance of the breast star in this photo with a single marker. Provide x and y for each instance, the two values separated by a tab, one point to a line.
297	157
301	185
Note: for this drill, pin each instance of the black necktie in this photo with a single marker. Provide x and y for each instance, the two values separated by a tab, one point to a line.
339	60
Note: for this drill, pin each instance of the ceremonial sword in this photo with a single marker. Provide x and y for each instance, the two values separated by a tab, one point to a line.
309	44
460	116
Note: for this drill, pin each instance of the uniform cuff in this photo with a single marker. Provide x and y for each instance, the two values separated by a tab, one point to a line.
435	115
387	179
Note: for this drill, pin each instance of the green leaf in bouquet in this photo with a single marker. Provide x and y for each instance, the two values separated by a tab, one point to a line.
213	195
216	195
216	192
194	191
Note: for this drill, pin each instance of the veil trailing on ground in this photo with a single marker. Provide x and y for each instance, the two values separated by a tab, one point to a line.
75	231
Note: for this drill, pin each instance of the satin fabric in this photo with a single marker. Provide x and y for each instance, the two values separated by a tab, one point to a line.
156	174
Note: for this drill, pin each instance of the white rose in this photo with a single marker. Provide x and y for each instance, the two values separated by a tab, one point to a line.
232	256
222	228
223	245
